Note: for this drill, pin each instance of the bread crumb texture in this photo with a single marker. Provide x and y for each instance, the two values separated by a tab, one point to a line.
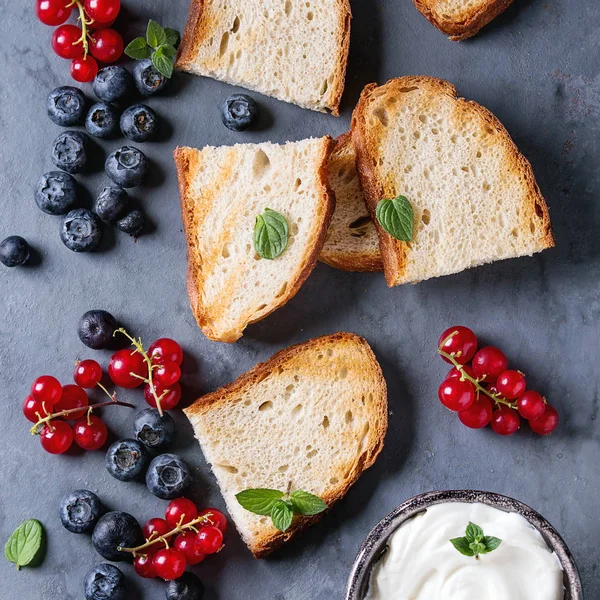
293	50
313	416
474	194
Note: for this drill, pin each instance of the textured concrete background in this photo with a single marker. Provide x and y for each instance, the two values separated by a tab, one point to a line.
538	69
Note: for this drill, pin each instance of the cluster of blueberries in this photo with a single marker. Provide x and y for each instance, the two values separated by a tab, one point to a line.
167	476
57	193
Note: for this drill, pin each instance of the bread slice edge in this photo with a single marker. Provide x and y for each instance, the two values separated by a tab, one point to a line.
268	543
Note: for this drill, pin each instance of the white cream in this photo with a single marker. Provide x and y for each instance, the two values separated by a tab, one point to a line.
421	563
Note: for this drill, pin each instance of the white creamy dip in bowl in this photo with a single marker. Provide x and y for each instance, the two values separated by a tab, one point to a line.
408	555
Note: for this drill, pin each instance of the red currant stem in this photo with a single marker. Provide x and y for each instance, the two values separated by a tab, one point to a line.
64	413
89	415
84	25
139	347
112	396
476	382
163	538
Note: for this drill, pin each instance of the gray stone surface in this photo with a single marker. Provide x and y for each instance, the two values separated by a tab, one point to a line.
538	69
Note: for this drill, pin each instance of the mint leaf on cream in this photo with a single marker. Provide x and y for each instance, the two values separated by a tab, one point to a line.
475	542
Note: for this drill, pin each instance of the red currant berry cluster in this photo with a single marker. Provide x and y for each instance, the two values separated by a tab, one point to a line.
486	390
184	537
77	43
51	407
158	368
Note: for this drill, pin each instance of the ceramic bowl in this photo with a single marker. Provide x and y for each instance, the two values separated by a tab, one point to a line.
376	542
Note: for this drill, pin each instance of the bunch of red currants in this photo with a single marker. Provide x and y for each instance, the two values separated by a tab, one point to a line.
93	36
482	389
184	537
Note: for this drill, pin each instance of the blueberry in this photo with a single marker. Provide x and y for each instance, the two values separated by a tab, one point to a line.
239	112
147	79
69	151
66	106
56	192
112	204
132	223
14	251
127	460
153	430
80	230
96	329
113	83
104	582
80	510
187	587
127	166
116	529
139	123
168	476
102	120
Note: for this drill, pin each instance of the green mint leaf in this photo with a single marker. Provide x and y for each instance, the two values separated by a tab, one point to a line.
306	504
24	543
281	515
474	533
172	36
169	50
163	64
155	34
462	545
490	543
138	49
271	234
477	548
259	501
396	216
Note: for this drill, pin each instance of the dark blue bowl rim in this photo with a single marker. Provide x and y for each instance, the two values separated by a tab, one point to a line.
376	542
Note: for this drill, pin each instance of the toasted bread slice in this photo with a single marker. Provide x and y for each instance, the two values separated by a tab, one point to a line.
461	19
473	193
351	243
289	49
222	192
314	416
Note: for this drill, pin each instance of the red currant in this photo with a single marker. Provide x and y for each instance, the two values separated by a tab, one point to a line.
217	518
47	389
169	563
167	374
56	437
180	511
462	345
478	415
121	366
488	363
72	397
186	544
88	374
103	11
170	400
505	421
156	527
92	435
67	42
31	406
531	405
209	539
547	423
106	45
455	394
144	565
84	69
511	384
53	12
165	350
454	372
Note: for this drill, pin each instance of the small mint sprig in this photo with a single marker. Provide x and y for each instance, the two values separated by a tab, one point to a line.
475	542
280	506
160	45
